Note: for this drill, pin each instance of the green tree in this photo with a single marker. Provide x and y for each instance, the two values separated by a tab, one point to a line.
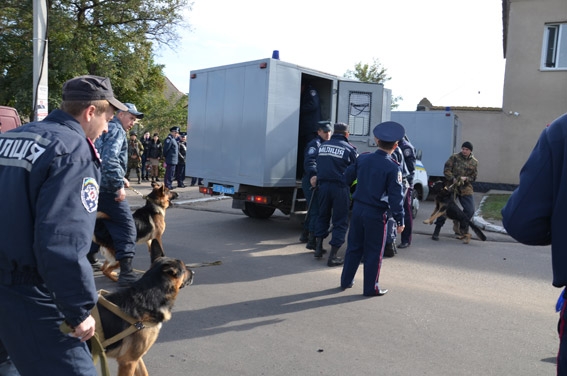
113	38
374	72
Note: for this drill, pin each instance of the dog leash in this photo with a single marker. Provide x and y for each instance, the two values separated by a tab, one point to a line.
137	192
202	264
97	350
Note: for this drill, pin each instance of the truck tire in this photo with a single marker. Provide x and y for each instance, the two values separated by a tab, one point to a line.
257	211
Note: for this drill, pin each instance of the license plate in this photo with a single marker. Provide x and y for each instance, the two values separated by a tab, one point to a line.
222	189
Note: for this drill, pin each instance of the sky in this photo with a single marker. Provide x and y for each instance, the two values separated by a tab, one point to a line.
448	51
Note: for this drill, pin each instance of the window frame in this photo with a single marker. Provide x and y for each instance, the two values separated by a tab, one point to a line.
554	47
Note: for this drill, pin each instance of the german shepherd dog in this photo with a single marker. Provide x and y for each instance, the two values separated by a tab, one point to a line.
445	205
148	302
149	221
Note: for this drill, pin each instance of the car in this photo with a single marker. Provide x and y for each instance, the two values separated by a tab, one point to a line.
420	186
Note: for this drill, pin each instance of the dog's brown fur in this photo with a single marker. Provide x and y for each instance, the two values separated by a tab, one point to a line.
150	225
149	300
445	205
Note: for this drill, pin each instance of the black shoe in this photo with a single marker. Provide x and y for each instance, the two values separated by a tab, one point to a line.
181	186
435	237
404	245
380	292
390	250
347	287
335	261
157	179
304	237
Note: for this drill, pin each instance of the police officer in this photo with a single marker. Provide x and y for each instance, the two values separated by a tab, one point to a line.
324	132
334	157
180	170
113	149
146	140
378	190
390	249
410	160
171	154
49	210
535	212
309	118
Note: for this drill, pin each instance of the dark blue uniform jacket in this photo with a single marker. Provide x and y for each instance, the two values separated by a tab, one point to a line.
310	157
49	173
538	207
379	183
334	157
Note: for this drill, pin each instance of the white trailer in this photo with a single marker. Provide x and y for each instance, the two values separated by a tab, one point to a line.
437	134
244	123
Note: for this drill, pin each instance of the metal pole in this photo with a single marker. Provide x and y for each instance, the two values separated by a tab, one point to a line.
40	93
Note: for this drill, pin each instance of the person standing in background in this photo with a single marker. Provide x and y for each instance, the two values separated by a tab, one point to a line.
180	170
145	165
171	154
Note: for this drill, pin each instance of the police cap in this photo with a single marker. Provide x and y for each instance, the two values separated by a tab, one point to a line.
90	88
134	111
389	131
174	129
325	126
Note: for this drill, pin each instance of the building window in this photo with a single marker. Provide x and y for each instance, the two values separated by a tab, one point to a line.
555	47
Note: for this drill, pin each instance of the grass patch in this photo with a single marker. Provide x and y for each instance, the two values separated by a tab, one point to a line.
492	205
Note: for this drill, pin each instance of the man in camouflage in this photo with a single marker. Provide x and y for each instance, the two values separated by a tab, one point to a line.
135	151
460	169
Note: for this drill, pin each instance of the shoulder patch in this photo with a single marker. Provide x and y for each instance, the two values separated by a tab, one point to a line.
400	177
408	152
312	150
89	194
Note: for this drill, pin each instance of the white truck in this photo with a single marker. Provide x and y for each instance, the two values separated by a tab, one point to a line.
436	134
244	123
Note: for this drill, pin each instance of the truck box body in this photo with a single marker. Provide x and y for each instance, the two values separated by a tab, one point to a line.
436	133
244	123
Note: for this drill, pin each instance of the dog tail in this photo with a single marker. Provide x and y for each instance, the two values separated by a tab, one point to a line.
478	231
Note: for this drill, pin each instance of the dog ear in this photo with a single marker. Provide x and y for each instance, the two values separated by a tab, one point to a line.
156	250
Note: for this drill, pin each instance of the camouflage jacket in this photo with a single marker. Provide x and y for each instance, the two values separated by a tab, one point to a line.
457	166
113	149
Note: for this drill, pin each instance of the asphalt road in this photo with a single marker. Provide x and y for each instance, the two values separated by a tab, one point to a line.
270	308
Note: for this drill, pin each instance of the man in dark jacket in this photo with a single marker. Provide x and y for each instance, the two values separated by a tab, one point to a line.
113	149
535	213
333	159
379	190
45	278
324	132
171	154
180	170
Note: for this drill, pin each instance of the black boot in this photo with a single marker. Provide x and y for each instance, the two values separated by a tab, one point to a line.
390	250
139	182
435	235
333	259
127	275
318	248
311	244
304	236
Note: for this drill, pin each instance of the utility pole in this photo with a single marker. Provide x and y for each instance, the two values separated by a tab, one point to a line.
40	93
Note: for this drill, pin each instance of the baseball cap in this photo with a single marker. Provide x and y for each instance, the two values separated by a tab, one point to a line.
133	110
90	88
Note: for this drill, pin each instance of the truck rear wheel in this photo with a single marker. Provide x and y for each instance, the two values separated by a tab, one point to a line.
258	211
